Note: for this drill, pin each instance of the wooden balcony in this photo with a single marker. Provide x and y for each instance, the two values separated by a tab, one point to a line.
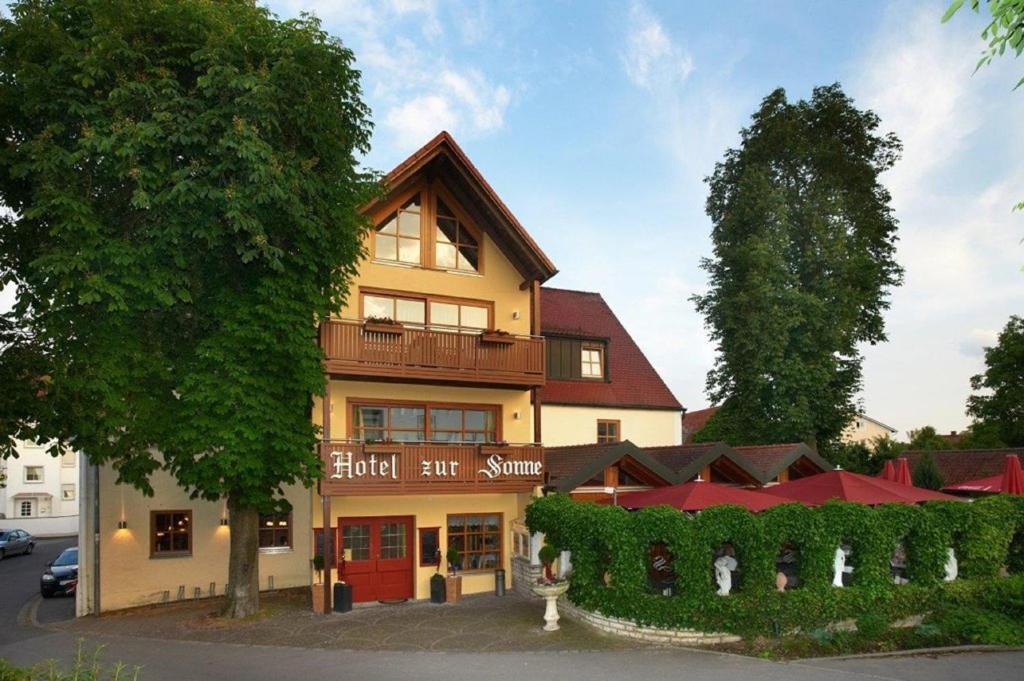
354	348
352	467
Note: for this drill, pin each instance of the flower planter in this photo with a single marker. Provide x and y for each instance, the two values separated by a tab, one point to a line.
497	338
550	593
319	604
452	588
389	329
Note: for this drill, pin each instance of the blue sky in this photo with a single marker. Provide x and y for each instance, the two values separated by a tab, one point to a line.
597	121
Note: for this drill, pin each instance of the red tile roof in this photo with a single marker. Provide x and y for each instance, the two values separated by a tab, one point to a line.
961	465
695	420
632	381
765	457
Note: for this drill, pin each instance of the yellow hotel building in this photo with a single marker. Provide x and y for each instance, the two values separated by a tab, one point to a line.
431	423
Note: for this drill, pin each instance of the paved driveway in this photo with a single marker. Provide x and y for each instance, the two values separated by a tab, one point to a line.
19	587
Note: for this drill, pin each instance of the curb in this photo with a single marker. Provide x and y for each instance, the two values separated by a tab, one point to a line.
27	616
914	652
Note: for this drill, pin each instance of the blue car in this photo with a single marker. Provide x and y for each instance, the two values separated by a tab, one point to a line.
14	542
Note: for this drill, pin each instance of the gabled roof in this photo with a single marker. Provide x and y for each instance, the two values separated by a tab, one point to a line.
688	460
631	381
442	158
961	465
770	460
695	420
876	422
570	467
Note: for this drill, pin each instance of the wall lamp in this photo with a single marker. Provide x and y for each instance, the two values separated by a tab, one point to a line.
122	524
224	522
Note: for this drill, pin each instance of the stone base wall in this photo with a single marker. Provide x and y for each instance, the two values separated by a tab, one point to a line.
628	629
524	576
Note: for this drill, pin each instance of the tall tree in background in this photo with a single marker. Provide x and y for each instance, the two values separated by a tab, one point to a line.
804	245
185	191
1001	407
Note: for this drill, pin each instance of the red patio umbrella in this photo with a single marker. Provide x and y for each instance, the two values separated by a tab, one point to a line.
847	486
1011	481
888	471
699	495
902	472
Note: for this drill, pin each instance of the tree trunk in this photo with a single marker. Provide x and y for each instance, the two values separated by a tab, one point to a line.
243	590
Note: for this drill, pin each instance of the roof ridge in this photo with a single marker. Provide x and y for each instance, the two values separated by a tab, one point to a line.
572	290
964	451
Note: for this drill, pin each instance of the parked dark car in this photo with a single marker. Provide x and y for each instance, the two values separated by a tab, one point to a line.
61	576
13	542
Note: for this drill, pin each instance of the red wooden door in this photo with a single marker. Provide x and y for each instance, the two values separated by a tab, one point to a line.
377	557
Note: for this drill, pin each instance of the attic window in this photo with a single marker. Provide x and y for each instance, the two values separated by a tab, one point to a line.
592	361
456	247
398	237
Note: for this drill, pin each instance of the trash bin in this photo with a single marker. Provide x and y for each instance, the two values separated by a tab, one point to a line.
499	582
342	597
437	594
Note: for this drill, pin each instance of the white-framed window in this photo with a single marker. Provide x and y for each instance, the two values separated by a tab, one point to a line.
33	473
26	508
592	362
67	491
68	459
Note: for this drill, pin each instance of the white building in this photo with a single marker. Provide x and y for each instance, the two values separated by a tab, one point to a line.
40	493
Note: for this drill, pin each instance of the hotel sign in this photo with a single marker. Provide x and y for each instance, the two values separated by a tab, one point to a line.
355	468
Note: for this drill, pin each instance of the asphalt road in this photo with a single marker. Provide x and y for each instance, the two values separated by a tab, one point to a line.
25	644
19	585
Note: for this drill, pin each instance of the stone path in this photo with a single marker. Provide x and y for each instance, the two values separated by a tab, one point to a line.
481	623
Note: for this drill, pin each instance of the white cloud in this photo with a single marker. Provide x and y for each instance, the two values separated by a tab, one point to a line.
952	192
412	79
650	58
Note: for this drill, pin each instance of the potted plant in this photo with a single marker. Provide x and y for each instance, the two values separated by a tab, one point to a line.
499	336
437	581
453	583
319	604
383	325
549	587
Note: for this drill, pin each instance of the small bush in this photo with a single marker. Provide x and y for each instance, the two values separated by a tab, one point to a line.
872	625
977	625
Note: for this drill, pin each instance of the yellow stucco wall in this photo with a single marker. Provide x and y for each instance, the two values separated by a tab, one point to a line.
129	577
865	431
563	425
499	282
432	511
516	430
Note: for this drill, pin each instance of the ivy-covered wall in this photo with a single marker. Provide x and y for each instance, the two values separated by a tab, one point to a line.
610	550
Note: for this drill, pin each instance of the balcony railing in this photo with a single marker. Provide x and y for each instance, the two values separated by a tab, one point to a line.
358	348
352	467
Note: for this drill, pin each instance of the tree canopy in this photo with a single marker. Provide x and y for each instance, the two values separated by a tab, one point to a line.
804	257
184	187
1001	406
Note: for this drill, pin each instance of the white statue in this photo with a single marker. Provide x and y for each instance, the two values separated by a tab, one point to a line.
839	566
724	565
952	568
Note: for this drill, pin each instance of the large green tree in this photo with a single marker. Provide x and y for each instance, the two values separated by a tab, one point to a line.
1000	407
804	255
184	187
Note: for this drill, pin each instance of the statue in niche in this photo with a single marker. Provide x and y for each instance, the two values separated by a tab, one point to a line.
952	567
839	566
898	565
724	566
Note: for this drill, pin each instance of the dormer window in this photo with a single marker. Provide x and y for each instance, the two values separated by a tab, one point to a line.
399	236
592	361
456	247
